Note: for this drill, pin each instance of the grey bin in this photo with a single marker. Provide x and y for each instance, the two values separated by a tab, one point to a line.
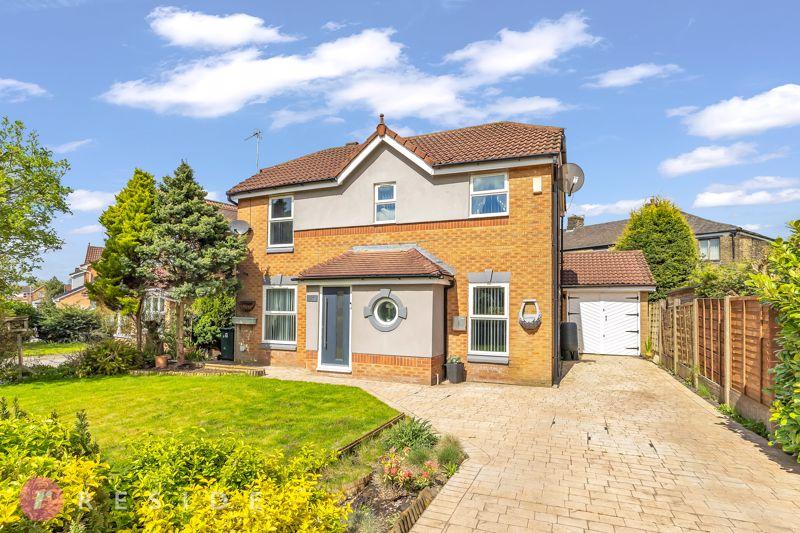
455	372
569	341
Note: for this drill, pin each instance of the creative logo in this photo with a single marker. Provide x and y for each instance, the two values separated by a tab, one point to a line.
40	499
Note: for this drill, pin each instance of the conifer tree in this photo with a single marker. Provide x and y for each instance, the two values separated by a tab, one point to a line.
662	233
121	283
191	252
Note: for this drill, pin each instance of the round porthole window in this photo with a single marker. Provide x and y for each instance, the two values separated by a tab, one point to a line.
385	311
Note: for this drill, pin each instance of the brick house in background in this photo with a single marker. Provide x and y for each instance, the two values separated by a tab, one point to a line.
380	258
76	293
719	242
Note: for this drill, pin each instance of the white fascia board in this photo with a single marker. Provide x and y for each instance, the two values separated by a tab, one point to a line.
613	288
374	281
493	165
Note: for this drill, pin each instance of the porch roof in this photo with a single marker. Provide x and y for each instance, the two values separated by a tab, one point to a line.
408	262
606	269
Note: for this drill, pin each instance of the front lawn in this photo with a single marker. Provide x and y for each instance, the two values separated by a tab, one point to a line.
266	413
34	349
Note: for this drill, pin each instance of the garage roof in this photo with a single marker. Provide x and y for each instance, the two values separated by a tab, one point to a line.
606	269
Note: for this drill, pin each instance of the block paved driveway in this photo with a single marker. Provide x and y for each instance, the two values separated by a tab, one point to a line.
620	446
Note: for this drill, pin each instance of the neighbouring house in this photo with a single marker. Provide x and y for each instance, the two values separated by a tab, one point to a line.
719	242
606	295
31	294
381	258
76	294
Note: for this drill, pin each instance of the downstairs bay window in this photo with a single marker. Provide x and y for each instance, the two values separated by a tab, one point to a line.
280	316
488	323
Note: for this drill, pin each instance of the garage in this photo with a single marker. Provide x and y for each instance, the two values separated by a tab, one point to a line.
606	295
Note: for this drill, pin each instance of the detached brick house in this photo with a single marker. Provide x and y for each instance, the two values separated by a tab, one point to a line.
719	242
380	258
76	293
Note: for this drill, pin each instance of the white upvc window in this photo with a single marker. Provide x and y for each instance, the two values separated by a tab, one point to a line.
488	319
280	315
385	202
488	195
155	305
281	222
709	249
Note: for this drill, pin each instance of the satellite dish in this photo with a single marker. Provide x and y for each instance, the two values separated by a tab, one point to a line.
571	178
239	227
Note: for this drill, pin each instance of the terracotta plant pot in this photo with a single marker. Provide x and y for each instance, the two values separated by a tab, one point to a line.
162	361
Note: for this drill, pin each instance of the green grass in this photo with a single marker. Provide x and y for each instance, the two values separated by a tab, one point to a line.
270	414
33	349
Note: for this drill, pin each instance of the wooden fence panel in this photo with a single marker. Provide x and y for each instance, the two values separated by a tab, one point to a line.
684	338
753	340
711	339
667	351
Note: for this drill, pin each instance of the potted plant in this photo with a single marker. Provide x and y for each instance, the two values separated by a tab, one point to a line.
454	369
162	361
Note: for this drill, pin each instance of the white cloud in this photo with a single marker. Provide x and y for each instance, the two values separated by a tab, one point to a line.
333	25
514	52
287	117
755	227
706	157
625	77
18	91
681	111
87	200
528	106
776	108
195	29
71	146
404	131
621	207
87	230
216	196
223	84
758	190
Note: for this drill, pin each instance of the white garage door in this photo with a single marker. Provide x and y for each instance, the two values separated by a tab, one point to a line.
608	322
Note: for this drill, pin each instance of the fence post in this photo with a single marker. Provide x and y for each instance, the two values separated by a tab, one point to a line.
727	363
674	338
695	343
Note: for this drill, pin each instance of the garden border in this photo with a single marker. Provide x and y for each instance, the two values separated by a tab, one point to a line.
409	517
348	448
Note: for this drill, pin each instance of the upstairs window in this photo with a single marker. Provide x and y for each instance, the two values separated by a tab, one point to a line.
709	249
488	195
281	222
385	202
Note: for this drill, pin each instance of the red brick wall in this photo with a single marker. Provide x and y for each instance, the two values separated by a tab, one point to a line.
520	243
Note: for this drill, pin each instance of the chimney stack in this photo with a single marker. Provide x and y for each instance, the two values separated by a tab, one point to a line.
574	221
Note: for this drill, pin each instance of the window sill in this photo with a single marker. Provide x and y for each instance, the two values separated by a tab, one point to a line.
492	359
280	249
490	215
279	346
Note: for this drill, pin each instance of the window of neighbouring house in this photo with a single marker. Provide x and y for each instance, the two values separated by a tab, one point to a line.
280	315
488	195
281	221
385	202
155	306
488	319
709	249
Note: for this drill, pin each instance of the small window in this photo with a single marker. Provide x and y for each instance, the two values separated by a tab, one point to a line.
155	306
281	222
488	195
280	315
488	320
385	202
385	311
709	249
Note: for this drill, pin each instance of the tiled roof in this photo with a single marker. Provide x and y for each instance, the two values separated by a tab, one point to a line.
229	211
606	269
93	253
607	233
486	142
389	263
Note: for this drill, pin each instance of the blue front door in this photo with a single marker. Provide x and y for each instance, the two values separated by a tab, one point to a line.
335	349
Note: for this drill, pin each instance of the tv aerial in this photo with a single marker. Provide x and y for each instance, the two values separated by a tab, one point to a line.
258	136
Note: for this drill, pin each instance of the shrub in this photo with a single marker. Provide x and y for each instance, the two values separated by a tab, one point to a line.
410	433
449	453
211	485
68	324
107	358
719	281
213	313
62	453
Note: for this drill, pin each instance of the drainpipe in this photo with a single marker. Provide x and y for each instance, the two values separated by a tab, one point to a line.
558	262
444	315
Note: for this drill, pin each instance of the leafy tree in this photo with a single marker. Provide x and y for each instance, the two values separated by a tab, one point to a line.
780	286
719	281
213	312
661	232
121	283
52	287
31	195
191	251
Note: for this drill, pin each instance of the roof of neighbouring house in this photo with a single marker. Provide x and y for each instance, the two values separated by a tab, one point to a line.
378	263
606	268
93	253
607	233
229	211
485	142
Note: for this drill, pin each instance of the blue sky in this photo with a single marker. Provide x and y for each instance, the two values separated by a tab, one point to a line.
696	101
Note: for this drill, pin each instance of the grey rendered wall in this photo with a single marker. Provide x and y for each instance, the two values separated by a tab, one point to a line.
312	318
420	197
415	334
438	320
